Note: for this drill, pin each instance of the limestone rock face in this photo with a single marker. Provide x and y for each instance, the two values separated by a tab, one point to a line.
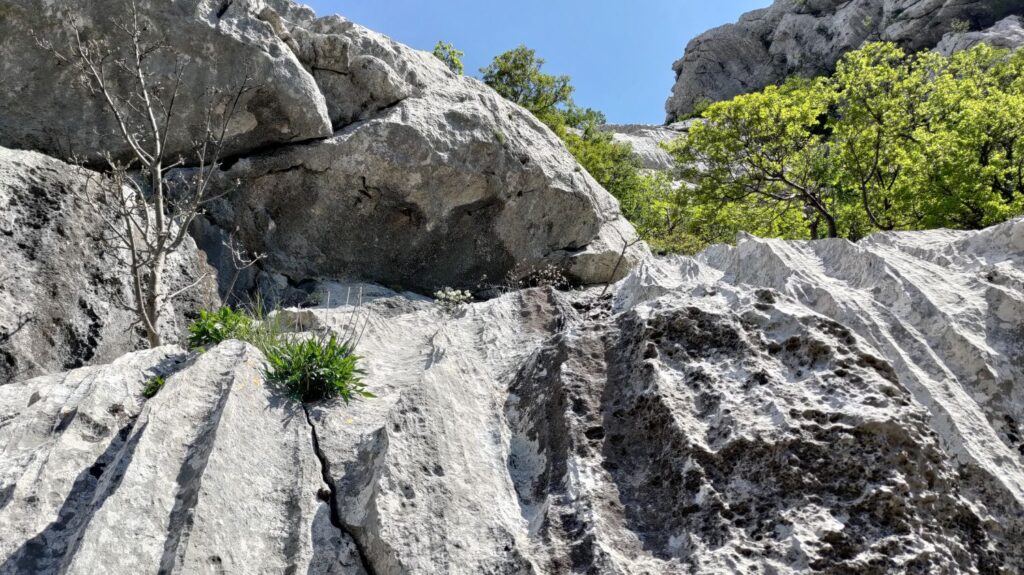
808	37
1007	33
414	176
218	473
434	179
771	407
45	108
62	293
646	143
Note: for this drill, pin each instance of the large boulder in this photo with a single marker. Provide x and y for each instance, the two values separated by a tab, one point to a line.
434	179
807	37
770	407
356	156
45	108
63	293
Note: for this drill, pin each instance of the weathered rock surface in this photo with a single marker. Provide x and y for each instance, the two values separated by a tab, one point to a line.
219	473
46	109
773	407
646	142
1007	33
434	180
62	293
431	179
808	37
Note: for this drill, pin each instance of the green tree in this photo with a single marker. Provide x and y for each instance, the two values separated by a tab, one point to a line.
767	151
451	56
516	75
891	141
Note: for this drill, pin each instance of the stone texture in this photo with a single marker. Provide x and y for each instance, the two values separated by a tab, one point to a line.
1007	33
45	109
646	143
808	37
61	292
434	180
218	473
773	407
59	436
425	179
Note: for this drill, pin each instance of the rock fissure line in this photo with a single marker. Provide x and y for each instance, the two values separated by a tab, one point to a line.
332	501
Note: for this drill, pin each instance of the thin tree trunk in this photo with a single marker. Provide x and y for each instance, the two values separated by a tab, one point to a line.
156	271
155	300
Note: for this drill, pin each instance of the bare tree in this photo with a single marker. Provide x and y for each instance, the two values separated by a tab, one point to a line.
139	79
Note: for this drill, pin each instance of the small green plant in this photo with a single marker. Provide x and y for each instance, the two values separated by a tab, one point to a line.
264	331
153	387
450	300
214	327
254	326
451	56
321	367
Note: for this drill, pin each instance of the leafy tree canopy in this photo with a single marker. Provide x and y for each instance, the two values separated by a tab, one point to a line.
891	141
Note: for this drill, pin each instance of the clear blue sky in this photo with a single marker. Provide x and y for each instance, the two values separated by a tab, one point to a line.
618	52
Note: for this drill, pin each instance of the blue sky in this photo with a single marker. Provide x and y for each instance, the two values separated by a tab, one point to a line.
618	52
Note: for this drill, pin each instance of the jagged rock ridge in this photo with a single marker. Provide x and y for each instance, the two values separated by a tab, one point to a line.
770	407
807	37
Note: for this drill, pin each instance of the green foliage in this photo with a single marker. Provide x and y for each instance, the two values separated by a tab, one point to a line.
318	368
890	142
959	26
252	325
516	75
699	107
214	327
451	56
153	387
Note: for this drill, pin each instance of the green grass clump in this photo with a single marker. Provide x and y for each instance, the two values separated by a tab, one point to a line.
253	325
213	327
153	387
310	369
318	368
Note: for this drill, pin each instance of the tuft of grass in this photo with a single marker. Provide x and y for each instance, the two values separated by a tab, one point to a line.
318	368
153	387
310	369
213	327
253	325
264	331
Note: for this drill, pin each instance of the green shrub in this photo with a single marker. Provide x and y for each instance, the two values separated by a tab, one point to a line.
214	327
153	387
451	56
317	368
